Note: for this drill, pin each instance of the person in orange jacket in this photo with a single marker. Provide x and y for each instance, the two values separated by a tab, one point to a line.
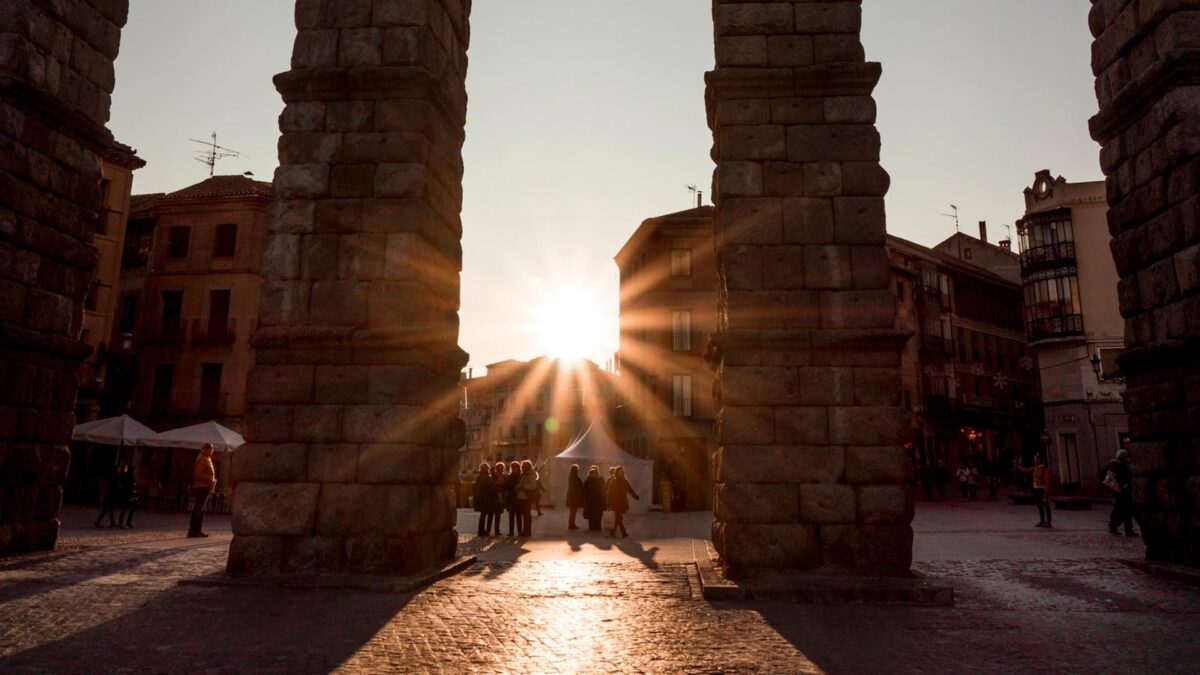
204	481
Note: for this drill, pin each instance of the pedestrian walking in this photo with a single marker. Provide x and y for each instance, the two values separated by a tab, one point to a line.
574	496
973	480
1041	488
593	498
1119	478
498	506
619	491
511	481
541	490
108	504
527	494
483	498
127	496
204	481
964	477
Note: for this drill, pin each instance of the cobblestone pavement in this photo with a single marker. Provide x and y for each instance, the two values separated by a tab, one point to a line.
600	605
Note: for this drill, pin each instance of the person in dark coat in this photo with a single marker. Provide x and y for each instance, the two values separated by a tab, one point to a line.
127	495
593	498
112	488
512	482
498	507
619	491
484	495
1122	511
574	496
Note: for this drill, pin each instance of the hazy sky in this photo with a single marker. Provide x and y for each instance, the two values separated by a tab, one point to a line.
588	117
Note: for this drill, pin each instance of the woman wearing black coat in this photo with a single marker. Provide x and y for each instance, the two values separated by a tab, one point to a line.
593	498
619	492
484	497
574	496
512	482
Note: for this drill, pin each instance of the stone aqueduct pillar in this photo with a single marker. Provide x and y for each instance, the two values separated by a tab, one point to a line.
810	468
352	427
1147	63
56	76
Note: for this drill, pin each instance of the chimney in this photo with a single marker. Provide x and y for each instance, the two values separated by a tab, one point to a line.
983	231
1006	244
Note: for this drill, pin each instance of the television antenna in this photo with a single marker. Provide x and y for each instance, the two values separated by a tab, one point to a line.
698	193
212	153
953	214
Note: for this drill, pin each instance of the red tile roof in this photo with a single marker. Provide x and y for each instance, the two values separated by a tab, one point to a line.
224	186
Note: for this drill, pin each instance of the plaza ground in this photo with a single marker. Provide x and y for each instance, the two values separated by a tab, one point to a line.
1028	600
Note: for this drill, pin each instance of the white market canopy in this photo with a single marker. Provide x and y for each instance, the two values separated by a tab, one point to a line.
595	446
195	437
123	430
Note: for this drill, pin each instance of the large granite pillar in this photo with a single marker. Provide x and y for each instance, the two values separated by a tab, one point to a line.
56	77
810	468
1146	58
352	427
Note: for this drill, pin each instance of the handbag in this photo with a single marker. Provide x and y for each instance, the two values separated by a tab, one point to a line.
1110	481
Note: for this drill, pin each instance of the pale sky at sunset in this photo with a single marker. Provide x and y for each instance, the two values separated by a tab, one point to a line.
587	117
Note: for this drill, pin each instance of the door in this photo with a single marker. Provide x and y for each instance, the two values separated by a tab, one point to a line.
218	314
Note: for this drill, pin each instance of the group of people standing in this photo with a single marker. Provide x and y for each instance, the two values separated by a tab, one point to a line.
517	488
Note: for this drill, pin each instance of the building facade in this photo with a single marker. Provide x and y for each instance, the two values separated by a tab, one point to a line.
1074	323
967	373
668	310
189	301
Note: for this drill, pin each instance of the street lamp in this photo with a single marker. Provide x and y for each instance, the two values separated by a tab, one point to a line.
1095	361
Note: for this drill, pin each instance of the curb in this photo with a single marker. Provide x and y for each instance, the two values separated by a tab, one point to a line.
1171	572
325	582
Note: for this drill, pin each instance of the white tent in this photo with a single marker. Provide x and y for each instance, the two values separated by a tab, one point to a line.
123	430
195	436
595	446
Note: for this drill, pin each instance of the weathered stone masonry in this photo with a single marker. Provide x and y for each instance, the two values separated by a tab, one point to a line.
1147	63
352	427
810	469
56	77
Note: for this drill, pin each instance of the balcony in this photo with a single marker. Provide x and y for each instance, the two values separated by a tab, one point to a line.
937	347
1056	326
1048	255
207	333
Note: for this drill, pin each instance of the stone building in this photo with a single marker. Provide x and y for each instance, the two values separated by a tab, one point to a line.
102	300
189	300
967	373
668	311
1074	325
531	409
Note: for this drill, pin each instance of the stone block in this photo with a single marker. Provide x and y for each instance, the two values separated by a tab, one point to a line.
313	555
318	258
283	302
317	423
759	386
783	267
395	463
885	504
833	143
860	220
378	555
758	142
790	50
808	221
783	179
742	267
876	549
801	425
269	423
749	221
857	309
868	425
806	110
864	179
351	510
757	503
825	386
744	111
255	555
341	384
280	384
785	464
874	387
281	259
823	16
739	179
274	509
773	546
339	303
827	267
870	267
740	425
759	18
822	179
333	462
407	385
825	503
271	463
391	423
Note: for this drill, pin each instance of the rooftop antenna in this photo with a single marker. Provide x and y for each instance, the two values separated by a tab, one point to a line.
1007	232
953	214
212	153
692	189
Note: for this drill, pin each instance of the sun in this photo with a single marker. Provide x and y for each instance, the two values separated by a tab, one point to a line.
568	322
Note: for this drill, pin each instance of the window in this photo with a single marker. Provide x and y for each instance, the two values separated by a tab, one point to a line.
218	313
681	262
128	320
1052	306
172	313
210	389
225	243
164	379
178	239
681	331
102	215
138	237
1046	238
681	395
1068	459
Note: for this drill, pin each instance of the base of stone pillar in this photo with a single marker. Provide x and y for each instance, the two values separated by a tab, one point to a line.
339	582
1183	574
807	587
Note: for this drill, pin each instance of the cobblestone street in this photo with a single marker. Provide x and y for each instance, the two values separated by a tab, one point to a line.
1057	601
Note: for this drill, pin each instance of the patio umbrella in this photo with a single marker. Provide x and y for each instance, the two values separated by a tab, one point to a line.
112	431
195	437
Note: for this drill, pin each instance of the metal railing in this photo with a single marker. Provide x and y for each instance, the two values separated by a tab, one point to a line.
1055	326
1050	253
